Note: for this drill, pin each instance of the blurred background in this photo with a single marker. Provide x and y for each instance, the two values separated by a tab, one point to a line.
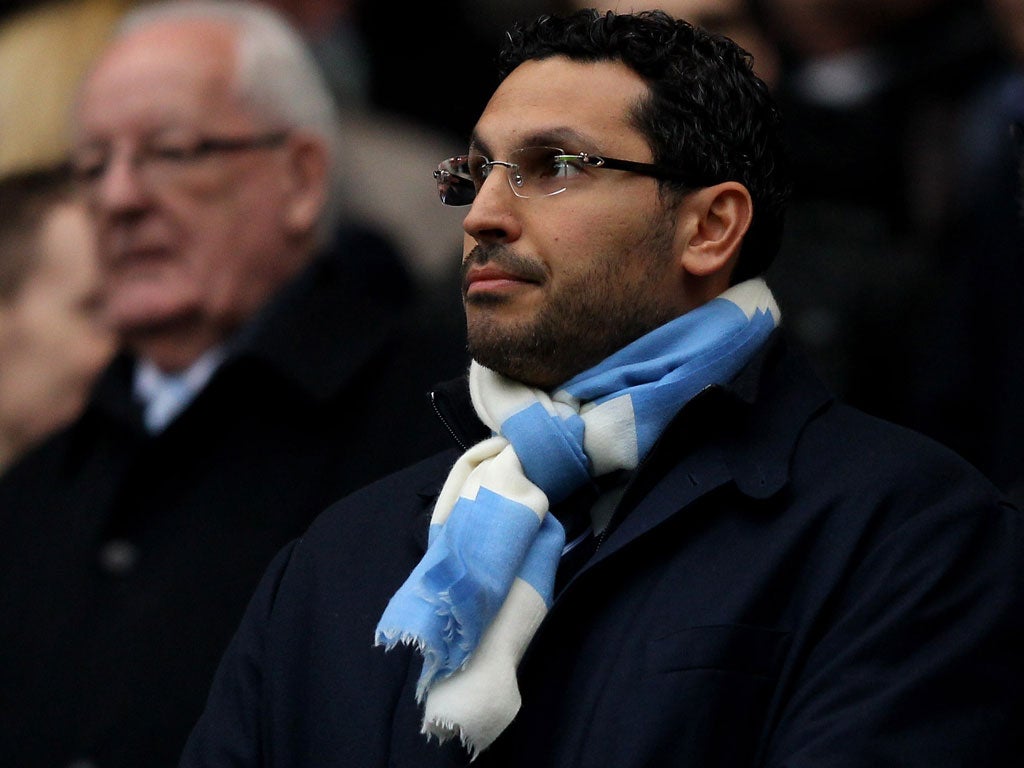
901	271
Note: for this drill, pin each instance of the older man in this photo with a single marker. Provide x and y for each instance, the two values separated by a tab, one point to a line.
268	368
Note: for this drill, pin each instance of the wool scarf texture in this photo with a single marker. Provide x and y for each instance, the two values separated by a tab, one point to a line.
475	600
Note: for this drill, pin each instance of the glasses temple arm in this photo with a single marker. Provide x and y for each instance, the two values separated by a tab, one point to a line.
644	169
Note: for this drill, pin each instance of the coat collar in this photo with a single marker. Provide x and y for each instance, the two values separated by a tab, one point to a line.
750	425
743	433
316	333
349	300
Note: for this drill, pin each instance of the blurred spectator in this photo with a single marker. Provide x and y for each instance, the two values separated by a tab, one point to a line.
52	341
333	35
872	94
971	367
268	368
388	162
46	46
868	88
395	194
44	49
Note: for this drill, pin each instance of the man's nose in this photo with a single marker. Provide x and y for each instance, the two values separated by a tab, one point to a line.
121	185
494	213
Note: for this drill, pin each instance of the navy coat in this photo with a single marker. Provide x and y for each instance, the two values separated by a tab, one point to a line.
127	560
788	582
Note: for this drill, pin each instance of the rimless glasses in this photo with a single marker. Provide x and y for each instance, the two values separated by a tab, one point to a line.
534	172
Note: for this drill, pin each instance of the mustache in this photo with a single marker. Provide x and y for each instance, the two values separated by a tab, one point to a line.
503	257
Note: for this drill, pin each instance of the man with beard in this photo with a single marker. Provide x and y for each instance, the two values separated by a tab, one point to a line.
660	541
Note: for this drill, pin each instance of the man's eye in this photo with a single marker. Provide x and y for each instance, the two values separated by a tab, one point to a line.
88	170
170	153
478	170
563	166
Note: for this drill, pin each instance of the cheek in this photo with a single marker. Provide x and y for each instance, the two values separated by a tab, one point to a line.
211	242
582	244
254	218
236	209
608	224
38	319
53	325
238	256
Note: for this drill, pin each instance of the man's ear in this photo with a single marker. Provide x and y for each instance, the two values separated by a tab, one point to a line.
308	180
715	221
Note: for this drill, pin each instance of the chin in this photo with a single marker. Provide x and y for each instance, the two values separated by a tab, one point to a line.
140	309
516	364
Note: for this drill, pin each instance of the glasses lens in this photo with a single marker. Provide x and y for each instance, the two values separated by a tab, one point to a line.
541	171
531	171
455	182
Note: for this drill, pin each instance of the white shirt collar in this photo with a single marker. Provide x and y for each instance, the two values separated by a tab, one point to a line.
165	395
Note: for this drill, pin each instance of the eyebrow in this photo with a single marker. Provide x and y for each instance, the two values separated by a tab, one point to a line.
562	136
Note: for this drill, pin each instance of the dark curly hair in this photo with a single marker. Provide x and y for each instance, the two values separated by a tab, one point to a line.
707	114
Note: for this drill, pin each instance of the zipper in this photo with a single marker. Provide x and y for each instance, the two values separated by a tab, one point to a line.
617	512
451	430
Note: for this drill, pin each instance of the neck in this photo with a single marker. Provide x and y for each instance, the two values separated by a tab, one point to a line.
174	349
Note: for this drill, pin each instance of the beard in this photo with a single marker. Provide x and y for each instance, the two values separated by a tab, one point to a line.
593	313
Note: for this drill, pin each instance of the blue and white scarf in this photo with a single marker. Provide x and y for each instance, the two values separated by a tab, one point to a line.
477	597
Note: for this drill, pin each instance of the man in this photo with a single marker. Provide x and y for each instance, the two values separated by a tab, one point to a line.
268	369
53	342
664	542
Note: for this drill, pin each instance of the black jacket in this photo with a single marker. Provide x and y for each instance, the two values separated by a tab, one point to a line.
787	582
126	560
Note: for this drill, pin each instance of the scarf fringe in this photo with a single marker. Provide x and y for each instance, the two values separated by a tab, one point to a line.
432	660
446	730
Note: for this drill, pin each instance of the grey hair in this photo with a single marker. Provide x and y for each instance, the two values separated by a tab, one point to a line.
276	76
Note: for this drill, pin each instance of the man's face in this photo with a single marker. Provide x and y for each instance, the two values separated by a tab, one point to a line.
553	285
190	247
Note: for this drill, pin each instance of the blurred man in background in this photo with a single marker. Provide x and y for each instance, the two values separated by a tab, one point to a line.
270	363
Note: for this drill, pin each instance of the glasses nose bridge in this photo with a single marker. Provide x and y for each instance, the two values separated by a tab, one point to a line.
130	154
122	174
513	175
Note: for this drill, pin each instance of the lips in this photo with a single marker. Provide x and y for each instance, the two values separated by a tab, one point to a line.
499	271
492	279
126	248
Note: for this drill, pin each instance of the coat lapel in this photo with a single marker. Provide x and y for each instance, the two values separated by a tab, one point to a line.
743	434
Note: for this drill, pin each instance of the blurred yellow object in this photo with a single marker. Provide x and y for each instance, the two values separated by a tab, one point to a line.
44	51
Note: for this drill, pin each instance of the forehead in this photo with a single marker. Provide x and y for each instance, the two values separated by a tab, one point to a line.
542	100
162	75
